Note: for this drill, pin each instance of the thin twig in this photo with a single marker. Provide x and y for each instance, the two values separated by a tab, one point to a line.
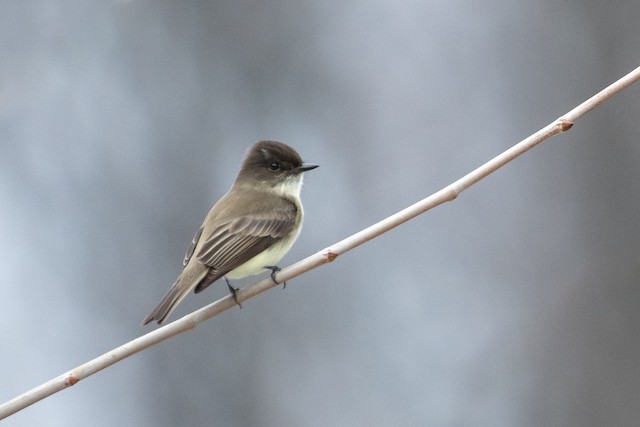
329	254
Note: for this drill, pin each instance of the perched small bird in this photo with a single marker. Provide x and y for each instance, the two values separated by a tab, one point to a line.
249	229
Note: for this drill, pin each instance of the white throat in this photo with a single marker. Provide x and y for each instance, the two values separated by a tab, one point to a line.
290	187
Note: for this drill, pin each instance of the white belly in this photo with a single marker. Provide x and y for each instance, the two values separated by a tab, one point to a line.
268	257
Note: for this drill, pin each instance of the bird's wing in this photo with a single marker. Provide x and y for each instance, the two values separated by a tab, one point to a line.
192	247
233	243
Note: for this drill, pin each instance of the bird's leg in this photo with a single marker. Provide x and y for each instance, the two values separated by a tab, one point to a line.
233	292
274	269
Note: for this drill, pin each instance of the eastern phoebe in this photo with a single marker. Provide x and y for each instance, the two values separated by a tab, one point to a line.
249	229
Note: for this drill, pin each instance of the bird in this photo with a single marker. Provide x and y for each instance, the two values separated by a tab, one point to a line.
248	230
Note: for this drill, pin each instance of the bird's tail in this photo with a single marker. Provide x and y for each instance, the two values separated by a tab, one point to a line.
175	294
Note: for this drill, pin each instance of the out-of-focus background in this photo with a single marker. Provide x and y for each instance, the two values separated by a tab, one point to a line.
518	304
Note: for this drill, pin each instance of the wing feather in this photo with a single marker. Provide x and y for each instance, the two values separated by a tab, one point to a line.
233	243
192	247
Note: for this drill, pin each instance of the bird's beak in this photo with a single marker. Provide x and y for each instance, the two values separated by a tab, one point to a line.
304	167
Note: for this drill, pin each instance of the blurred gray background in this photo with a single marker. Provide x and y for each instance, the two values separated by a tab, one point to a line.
518	304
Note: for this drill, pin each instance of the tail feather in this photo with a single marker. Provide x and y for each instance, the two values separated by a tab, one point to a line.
168	303
189	278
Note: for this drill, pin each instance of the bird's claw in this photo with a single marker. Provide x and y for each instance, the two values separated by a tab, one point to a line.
274	269
234	292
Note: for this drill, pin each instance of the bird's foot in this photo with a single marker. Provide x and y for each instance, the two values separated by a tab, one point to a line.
233	291
274	269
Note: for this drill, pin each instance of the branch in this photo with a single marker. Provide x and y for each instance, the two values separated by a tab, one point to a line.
329	254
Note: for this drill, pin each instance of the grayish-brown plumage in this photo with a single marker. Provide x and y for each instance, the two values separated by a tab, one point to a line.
249	229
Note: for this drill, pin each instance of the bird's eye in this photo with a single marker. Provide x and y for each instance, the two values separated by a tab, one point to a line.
274	166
